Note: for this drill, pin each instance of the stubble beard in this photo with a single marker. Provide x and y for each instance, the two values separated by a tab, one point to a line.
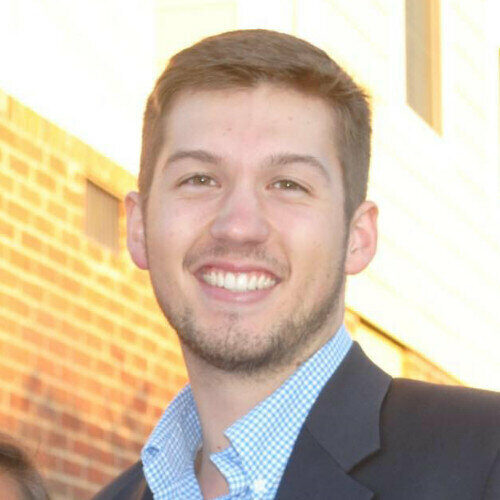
233	349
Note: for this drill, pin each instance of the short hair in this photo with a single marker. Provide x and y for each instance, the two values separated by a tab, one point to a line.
15	463
246	58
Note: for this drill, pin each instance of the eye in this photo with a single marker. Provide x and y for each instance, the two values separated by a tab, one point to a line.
288	185
199	180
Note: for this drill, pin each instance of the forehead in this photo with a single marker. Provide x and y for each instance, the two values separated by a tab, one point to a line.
248	123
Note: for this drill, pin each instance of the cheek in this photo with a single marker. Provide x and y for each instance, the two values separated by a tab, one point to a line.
310	232
174	223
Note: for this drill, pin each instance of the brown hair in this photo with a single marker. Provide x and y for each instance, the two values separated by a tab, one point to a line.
243	59
17	466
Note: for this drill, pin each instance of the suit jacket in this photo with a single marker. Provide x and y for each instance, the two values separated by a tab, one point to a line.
372	437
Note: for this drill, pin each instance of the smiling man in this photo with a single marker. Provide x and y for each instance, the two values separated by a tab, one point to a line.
250	213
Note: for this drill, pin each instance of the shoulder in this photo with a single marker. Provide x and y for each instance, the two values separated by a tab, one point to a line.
444	403
129	485
449	417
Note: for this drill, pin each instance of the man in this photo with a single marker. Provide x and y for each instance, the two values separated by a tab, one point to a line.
250	213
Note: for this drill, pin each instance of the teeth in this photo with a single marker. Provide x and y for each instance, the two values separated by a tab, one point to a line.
230	281
241	282
252	283
220	279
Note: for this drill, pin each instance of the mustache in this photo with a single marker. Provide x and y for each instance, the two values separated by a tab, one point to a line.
257	255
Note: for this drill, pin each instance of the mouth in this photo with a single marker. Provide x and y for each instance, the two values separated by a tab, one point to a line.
239	285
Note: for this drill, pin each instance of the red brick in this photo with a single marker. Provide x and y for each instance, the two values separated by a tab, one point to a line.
44	225
16	305
45	459
6	229
59	348
18	166
56	439
31	335
104	324
45	318
20	403
57	302
48	273
7	135
128	335
80	266
30	196
82	313
58	165
95	475
72	468
82	359
105	368
57	255
8	423
73	197
44	180
33	290
17	211
20	260
71	240
57	210
46	411
8	374
80	492
31	241
6	183
95	252
31	431
93	342
82	448
71	422
95	432
47	366
20	144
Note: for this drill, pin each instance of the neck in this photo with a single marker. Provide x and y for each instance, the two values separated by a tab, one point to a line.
223	397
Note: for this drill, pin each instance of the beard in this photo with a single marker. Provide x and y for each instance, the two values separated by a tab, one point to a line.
232	348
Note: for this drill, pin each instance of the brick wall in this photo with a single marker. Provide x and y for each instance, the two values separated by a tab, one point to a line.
87	363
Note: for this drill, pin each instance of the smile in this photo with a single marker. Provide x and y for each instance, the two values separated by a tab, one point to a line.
238	282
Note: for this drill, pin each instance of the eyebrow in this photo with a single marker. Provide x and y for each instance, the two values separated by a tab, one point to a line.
194	154
282	159
275	160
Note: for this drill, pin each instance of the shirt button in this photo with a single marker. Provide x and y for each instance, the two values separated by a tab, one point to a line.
259	485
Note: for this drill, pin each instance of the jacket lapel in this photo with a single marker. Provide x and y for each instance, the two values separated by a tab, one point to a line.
341	429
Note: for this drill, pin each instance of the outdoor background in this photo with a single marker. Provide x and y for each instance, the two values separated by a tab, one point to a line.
87	363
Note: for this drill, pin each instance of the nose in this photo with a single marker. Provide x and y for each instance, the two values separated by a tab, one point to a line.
241	218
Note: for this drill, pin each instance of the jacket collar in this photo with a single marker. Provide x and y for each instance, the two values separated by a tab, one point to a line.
341	430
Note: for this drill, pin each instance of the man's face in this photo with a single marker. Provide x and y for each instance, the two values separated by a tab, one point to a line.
245	233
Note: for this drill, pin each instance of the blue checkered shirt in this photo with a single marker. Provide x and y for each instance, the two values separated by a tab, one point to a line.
260	442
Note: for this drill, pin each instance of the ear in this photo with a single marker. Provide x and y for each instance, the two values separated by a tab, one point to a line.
136	241
362	243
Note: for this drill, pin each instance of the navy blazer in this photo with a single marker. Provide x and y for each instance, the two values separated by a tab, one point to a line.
368	436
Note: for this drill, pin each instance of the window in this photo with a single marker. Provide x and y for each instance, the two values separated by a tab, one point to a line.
102	213
423	65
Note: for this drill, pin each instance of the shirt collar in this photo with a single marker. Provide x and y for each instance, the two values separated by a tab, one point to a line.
174	442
